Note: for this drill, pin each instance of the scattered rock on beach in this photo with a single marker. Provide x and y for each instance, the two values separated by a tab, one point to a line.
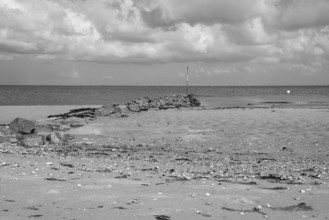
22	126
53	139
6	135
60	135
32	140
121	109
5	131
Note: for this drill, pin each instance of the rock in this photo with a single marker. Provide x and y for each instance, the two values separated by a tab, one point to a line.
6	135
32	140
60	136
134	107
77	113
22	126
121	109
194	102
53	139
5	131
76	125
155	103
142	101
104	111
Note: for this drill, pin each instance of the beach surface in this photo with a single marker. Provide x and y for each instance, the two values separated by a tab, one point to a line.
189	163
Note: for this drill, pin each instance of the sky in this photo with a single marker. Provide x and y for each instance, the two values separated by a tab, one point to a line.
151	42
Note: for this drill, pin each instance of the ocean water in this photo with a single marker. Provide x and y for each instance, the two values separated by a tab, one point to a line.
220	96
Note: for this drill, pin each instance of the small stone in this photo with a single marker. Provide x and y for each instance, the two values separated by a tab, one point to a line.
53	139
60	135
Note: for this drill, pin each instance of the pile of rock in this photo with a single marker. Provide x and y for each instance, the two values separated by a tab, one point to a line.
136	105
24	132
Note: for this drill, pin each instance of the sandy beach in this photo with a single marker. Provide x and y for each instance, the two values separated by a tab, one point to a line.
189	163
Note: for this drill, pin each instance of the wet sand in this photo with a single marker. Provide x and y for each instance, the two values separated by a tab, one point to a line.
176	164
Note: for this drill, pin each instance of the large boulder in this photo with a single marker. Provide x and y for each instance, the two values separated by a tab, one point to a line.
22	126
32	140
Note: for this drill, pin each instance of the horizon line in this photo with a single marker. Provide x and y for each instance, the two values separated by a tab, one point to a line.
162	85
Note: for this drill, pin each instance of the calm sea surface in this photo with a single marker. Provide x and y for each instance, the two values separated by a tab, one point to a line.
210	96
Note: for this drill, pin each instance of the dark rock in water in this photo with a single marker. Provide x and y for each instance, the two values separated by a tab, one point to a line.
104	111
134	107
32	140
22	126
53	139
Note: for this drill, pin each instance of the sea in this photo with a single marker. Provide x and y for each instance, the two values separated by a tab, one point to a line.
214	96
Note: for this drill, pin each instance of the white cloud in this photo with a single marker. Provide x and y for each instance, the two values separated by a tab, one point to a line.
146	31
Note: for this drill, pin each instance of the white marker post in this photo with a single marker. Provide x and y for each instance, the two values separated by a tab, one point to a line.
187	80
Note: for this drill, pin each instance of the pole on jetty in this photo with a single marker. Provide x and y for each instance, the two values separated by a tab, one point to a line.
187	80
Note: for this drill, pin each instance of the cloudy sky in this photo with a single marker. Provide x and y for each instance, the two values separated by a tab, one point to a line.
150	42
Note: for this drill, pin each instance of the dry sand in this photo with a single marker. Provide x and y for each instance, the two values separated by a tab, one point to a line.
176	164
